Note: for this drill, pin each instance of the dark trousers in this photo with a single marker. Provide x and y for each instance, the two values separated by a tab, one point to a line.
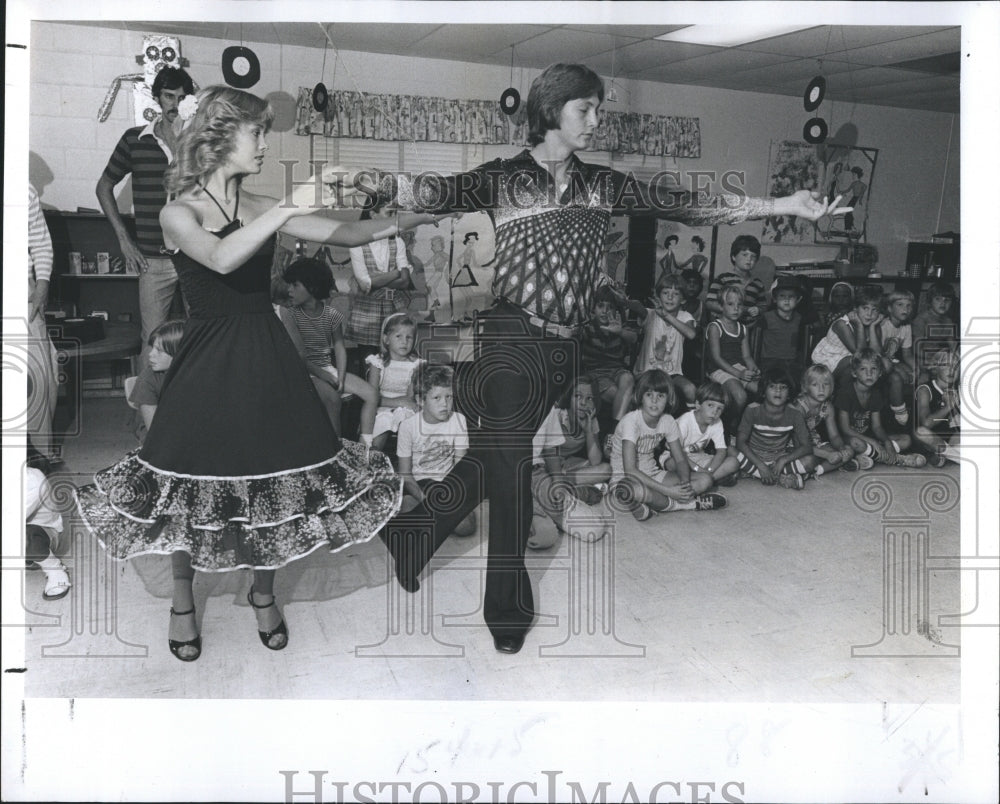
517	375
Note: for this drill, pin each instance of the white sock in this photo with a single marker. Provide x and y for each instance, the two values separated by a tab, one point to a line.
50	563
688	506
366	439
818	471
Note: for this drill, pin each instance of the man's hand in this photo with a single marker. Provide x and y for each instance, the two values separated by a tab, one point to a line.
135	261
39	299
807	204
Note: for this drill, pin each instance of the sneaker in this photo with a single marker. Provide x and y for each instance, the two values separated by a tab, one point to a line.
710	502
850	465
864	462
937	461
590	495
642	512
729	480
791	481
911	460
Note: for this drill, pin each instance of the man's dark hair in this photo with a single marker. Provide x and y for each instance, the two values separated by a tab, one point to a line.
172	78
553	89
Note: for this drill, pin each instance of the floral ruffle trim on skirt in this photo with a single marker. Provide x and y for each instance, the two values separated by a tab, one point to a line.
260	522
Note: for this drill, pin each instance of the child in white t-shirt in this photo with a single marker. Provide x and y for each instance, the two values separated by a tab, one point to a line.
703	439
640	485
430	443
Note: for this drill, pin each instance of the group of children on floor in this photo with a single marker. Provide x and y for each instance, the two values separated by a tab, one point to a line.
668	441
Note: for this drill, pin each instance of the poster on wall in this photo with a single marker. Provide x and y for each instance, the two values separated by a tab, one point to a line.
457	258
792	166
847	172
831	170
679	247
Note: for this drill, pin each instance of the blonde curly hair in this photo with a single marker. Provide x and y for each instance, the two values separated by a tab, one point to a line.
209	139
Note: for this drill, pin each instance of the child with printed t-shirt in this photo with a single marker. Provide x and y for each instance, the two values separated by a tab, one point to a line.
430	443
666	327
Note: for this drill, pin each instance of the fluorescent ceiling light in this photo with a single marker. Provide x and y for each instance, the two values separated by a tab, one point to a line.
728	35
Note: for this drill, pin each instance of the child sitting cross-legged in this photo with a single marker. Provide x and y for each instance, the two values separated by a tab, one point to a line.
773	437
897	350
316	329
859	404
829	451
851	333
704	441
605	351
781	328
568	461
666	327
163	342
729	354
432	441
937	408
639	484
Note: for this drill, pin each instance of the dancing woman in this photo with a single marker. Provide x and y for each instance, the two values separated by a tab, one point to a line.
241	468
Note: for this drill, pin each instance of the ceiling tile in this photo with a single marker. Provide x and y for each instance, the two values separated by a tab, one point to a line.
828	39
913	47
721	65
476	42
635	31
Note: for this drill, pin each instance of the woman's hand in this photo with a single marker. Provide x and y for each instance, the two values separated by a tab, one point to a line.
334	187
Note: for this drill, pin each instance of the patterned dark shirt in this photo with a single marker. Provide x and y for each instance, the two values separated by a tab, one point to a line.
143	157
550	242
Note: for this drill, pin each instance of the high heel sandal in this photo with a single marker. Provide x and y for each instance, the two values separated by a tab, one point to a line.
280	630
176	644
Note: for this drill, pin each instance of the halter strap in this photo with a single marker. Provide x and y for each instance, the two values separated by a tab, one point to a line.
236	209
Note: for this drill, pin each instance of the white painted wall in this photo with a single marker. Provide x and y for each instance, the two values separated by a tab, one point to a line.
914	194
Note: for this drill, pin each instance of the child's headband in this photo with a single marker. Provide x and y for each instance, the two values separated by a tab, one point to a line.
388	320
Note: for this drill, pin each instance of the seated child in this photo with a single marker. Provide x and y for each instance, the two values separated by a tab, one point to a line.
701	429
316	329
729	354
568	459
743	254
430	443
163	342
897	350
43	526
666	327
639	484
605	351
773	437
933	329
781	328
692	285
851	333
815	402
859	404
937	410
392	372
840	301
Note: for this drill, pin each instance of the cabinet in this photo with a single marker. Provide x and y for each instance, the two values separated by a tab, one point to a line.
88	234
99	366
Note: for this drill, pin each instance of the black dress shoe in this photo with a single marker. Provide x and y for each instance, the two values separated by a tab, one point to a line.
508	643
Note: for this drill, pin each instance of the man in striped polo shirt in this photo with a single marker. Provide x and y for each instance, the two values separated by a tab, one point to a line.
145	152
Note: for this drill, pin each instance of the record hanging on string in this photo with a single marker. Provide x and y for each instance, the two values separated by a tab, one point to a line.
814	94
233	78
510	101
320	97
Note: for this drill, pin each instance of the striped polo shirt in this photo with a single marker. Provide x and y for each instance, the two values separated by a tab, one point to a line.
140	153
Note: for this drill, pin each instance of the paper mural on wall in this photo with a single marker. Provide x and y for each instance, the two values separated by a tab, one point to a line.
847	172
413	118
679	247
831	170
